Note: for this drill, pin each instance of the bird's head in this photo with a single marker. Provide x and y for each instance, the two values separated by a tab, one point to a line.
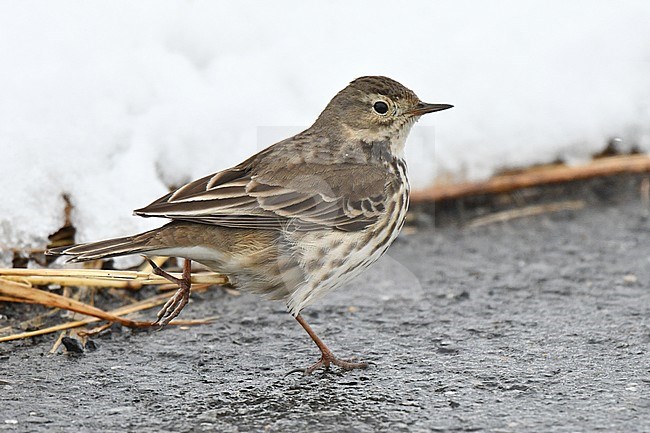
374	109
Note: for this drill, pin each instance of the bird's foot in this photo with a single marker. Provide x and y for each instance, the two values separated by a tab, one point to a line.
328	359
173	306
176	303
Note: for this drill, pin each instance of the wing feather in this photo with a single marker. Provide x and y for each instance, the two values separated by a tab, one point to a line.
307	196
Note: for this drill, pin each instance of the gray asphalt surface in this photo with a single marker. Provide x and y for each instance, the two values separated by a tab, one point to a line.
533	325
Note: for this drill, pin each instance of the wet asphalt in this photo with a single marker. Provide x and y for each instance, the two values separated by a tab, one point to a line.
538	324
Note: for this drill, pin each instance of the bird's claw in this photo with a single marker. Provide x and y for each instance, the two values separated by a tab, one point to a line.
325	361
173	306
176	303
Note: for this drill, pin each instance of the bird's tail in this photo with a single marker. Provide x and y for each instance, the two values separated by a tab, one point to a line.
136	244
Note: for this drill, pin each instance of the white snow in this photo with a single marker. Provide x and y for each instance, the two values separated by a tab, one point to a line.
113	102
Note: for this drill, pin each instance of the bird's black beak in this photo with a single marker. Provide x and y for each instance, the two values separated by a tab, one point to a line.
424	108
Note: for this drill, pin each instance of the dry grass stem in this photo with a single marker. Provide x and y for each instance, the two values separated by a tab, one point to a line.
57	343
121	311
526	212
537	176
30	294
132	280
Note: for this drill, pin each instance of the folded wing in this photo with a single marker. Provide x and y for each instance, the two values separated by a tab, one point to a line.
347	197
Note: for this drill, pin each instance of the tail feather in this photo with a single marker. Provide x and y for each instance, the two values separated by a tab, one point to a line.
108	248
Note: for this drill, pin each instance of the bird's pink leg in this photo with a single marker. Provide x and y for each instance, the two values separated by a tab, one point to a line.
327	357
175	304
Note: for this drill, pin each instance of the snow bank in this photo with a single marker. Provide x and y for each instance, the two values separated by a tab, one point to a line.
113	102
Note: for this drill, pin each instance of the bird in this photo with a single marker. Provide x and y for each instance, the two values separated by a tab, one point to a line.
296	220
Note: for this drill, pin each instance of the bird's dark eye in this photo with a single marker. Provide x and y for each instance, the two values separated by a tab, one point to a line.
380	107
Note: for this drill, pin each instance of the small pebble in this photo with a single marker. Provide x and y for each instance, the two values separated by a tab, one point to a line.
72	345
630	279
91	346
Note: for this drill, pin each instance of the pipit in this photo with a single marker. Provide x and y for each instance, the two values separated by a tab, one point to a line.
298	219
